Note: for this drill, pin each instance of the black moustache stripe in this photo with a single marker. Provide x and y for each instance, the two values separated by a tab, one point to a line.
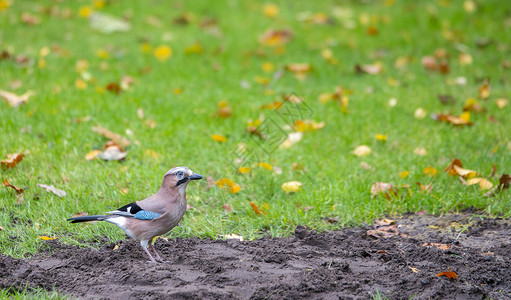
182	181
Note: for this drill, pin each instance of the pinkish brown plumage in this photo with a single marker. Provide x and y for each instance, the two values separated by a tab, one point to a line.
156	215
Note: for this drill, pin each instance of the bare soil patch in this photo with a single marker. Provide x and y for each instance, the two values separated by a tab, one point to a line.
344	264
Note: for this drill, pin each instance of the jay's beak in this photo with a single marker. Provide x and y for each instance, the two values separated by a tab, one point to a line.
195	176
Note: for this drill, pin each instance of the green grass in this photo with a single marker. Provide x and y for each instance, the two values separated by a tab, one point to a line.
334	185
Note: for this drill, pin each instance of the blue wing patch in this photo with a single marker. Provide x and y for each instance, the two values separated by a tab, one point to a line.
146	215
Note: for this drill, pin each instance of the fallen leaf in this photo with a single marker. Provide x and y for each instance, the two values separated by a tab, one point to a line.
229	185
299	69
437	245
46	238
16	189
420	151
2	228
430	171
403	174
501	103
464	172
465	59
52	189
244	170
113	87
111	135
14	100
218	138
381	137
227	208
30	19
232	237
291	186
292	138
420	113
373	69
415	270
463	119
265	166
12	160
387	189
307	125
484	90
162	53
449	274
274	37
429	63
224	110
384	231
472	105
112	153
362	150
93	154
332	220
271	10
383	222
484	184
256	209
106	23
425	187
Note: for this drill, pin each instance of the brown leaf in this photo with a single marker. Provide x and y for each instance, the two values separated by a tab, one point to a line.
463	119
16	189
484	90
449	274
437	245
384	231
29	19
14	100
12	160
450	167
446	99
369	69
111	135
113	87
274	37
383	222
429	63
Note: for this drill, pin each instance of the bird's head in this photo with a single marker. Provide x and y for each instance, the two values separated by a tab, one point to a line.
178	178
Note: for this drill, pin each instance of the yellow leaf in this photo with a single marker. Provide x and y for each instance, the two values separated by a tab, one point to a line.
404	174
420	113
229	184
430	171
244	170
465	59
381	137
80	84
85	11
465	116
271	10
501	103
262	80
415	270
46	238
362	150
218	138
420	151
291	186
4	4
484	90
484	184
92	155
194	49
102	53
232	236
162	53
265	165
268	67
464	172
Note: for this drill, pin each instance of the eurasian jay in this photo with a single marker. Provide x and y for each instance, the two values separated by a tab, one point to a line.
144	220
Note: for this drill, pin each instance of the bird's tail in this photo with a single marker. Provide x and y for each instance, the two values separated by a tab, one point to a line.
88	219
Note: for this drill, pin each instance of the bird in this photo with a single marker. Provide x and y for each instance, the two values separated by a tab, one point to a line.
154	216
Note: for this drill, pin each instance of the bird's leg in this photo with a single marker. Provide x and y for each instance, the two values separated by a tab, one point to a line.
158	257
144	246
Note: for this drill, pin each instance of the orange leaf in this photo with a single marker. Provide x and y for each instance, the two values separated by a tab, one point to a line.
17	189
450	167
256	209
46	238
449	274
111	135
12	160
218	138
437	245
430	171
276	37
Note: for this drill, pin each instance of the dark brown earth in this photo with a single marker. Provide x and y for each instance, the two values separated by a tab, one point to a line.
345	264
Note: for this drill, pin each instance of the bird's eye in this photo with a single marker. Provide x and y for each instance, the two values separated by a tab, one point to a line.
180	174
